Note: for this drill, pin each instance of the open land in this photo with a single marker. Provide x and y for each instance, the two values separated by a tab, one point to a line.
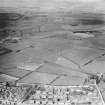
51	45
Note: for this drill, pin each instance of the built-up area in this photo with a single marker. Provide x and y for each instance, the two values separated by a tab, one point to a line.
50	95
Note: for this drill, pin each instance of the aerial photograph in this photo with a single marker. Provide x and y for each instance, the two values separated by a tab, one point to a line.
52	52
